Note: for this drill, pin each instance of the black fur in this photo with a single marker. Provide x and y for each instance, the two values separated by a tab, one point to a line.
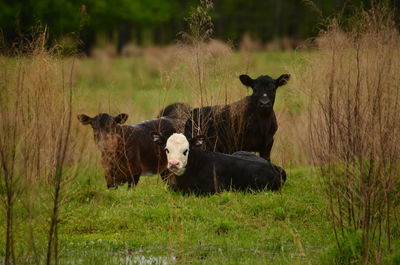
211	172
248	124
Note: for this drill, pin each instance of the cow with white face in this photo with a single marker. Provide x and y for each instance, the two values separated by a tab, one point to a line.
204	172
177	151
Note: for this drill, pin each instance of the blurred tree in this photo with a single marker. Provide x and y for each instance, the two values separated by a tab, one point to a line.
159	21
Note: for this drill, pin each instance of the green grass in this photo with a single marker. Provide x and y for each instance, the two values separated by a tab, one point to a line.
286	227
152	225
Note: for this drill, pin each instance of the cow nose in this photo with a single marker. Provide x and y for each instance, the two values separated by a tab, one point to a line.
173	164
265	102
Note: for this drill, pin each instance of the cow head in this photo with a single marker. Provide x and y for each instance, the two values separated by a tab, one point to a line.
264	88
103	124
177	148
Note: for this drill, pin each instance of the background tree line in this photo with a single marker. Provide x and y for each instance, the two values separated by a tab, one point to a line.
158	21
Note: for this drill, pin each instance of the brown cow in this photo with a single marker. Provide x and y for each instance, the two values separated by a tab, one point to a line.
128	151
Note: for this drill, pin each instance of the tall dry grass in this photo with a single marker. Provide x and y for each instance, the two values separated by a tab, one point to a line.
38	150
353	84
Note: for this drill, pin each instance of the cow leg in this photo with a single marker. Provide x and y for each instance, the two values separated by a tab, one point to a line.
266	153
133	181
130	181
134	178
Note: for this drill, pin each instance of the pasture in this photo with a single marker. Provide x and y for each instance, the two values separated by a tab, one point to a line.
341	161
150	222
152	225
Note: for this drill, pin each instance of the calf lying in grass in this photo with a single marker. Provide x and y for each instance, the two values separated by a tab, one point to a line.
128	151
205	172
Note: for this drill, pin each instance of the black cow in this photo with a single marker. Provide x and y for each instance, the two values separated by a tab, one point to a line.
248	124
204	172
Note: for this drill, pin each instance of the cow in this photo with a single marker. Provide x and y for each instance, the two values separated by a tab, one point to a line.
248	124
205	172
127	151
179	112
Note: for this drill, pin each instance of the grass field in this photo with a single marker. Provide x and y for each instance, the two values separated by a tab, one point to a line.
338	112
150	224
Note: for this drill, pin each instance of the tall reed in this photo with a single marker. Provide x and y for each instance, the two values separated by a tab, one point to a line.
36	149
353	84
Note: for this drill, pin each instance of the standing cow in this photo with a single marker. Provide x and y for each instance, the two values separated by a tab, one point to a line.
204	172
128	151
248	124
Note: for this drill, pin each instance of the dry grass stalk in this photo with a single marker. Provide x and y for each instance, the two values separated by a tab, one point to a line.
36	147
353	85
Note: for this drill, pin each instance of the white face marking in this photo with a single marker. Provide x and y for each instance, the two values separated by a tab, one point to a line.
177	150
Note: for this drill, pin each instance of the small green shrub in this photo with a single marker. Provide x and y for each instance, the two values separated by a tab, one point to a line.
349	252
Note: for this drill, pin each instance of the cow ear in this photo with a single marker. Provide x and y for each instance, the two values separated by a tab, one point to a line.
157	138
246	80
197	140
121	118
84	119
282	80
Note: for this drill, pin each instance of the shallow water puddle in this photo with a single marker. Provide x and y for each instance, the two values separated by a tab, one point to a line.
160	255
146	260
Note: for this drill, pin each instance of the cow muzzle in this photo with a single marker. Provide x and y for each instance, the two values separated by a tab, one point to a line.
265	103
174	165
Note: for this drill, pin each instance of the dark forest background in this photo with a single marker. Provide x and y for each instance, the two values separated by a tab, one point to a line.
157	22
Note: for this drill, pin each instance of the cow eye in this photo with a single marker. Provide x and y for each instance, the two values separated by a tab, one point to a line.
166	150
185	152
